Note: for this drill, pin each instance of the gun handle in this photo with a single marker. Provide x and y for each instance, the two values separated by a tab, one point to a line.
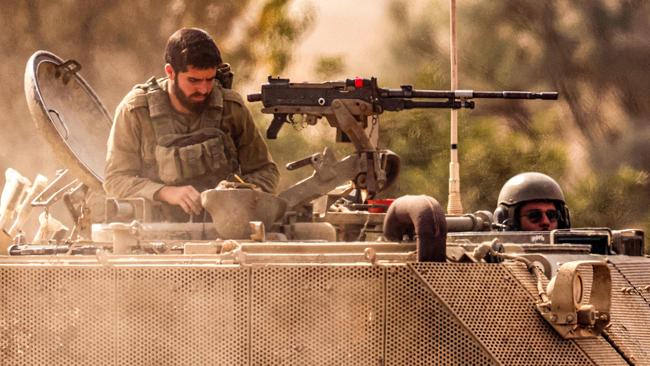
276	125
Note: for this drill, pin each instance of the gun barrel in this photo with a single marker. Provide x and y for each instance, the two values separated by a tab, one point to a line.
516	95
398	104
413	93
408	92
257	97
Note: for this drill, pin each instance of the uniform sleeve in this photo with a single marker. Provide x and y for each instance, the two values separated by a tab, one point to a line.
255	160
124	163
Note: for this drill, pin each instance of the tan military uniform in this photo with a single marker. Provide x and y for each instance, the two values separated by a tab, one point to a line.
151	145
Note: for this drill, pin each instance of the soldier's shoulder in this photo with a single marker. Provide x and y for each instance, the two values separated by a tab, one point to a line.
137	97
232	96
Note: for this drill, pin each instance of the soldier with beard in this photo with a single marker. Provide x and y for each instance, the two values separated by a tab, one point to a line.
177	136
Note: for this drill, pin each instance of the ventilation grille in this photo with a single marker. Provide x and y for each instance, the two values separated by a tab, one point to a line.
421	331
630	325
317	315
182	316
598	349
500	312
165	314
56	316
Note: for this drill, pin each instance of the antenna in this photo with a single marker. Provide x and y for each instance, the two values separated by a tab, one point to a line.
454	205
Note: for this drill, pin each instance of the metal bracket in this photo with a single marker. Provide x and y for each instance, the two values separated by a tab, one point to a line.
75	202
328	174
346	113
566	312
74	195
67	70
128	209
62	183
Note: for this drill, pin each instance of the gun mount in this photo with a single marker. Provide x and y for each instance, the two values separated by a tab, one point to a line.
352	107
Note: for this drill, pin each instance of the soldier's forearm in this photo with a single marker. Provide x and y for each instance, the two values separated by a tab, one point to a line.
124	186
266	177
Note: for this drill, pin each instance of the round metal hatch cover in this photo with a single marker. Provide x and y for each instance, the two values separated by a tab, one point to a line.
69	115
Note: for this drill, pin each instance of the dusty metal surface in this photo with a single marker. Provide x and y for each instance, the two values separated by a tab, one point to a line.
142	315
420	330
317	315
232	209
630	325
635	271
69	115
176	310
597	349
158	231
57	316
500	313
181	316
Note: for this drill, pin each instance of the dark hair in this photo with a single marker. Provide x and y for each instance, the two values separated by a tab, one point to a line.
191	46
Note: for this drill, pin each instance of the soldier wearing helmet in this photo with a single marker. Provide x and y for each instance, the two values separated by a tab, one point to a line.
532	202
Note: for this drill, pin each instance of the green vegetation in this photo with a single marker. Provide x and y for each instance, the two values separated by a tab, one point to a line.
489	155
328	66
585	50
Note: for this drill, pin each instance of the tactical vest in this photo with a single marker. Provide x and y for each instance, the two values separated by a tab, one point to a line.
203	157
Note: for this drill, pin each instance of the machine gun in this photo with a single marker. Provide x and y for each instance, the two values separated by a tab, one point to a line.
352	107
285	99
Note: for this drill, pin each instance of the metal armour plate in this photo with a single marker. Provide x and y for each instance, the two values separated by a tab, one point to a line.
420	329
598	349
501	314
630	324
69	115
182	316
57	316
317	315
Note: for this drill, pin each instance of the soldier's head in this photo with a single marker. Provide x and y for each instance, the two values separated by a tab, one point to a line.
191	61
532	202
191	47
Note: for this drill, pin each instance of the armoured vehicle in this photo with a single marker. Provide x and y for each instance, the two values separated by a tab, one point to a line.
272	282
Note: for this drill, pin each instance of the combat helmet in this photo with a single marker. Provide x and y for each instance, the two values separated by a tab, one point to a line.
525	187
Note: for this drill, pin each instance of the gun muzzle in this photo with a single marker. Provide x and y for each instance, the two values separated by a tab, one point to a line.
529	95
548	95
514	95
257	97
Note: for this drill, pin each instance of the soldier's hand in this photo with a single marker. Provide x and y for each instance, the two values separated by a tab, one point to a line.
185	196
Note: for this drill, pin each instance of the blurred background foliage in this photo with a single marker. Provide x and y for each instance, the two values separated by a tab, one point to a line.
596	53
594	141
121	43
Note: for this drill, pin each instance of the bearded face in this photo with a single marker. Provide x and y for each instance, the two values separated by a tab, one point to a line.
193	88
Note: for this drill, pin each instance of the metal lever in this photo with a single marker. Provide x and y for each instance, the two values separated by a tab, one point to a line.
315	158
